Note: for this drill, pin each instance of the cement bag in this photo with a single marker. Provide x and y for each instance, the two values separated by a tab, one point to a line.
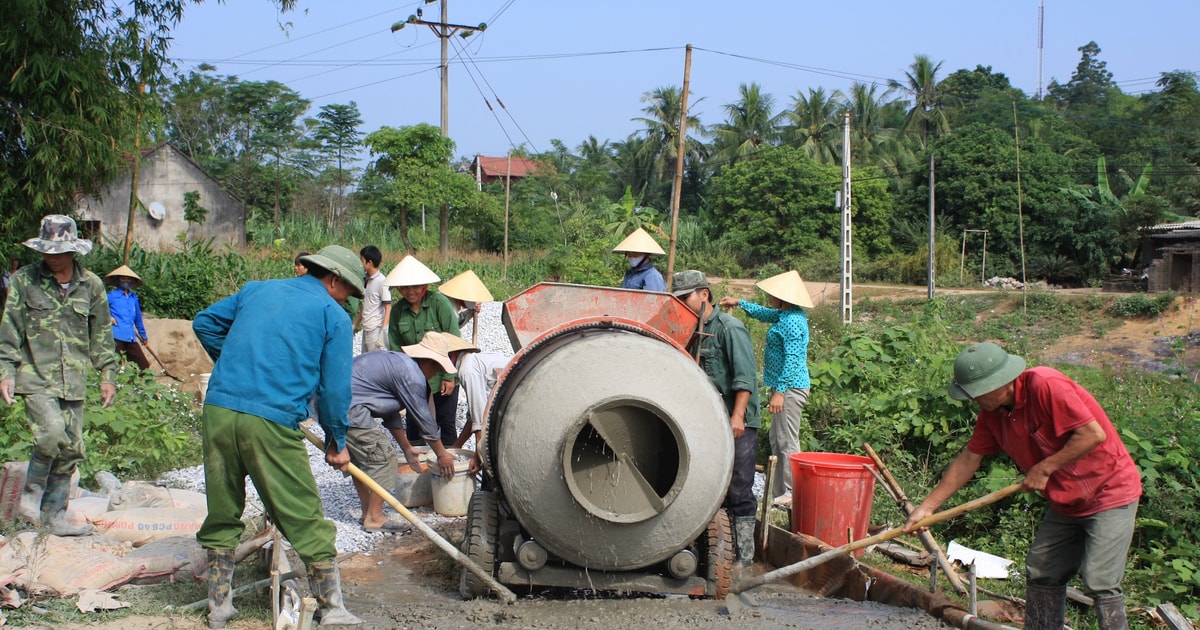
169	560
139	494
60	566
142	525
188	499
12	485
86	509
104	544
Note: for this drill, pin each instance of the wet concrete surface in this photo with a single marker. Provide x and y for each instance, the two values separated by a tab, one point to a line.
408	583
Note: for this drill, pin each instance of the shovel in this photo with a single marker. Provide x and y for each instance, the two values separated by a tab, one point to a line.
845	549
502	592
146	346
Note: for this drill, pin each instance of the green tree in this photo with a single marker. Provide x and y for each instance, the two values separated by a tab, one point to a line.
814	124
659	149
1090	83
875	123
340	141
779	207
67	102
411	169
977	189
926	116
750	125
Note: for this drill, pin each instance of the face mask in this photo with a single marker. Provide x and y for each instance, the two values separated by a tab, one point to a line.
635	260
125	285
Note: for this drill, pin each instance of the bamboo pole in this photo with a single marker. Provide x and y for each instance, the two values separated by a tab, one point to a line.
906	506
502	591
845	549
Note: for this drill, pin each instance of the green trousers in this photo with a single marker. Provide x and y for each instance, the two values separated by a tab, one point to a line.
274	456
57	427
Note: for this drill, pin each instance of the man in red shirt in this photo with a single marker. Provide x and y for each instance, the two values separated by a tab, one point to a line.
1060	437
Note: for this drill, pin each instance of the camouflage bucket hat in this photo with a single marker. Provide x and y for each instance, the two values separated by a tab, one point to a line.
685	282
59	236
341	261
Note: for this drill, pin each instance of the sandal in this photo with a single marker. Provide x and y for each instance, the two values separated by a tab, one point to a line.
390	527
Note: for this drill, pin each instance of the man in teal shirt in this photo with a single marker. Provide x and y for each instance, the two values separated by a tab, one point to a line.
727	356
274	344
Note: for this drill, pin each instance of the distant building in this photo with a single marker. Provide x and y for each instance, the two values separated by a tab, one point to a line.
1173	250
164	177
488	170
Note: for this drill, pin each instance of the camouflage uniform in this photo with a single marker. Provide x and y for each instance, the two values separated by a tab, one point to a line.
48	338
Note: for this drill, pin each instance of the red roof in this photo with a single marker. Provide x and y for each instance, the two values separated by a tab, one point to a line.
498	167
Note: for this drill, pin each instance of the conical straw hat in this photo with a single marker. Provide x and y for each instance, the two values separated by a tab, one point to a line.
410	273
125	271
467	287
639	242
454	343
787	287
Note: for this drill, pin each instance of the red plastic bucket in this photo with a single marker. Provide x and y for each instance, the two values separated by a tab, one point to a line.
831	496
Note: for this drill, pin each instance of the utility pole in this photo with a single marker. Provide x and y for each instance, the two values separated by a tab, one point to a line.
932	238
847	276
677	184
444	30
1041	27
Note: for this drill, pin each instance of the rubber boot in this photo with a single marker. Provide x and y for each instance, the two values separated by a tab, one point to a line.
1045	607
326	585
1110	612
743	537
35	488
54	508
220	587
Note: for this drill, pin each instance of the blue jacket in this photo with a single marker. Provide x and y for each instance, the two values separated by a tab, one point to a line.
276	343
126	310
644	277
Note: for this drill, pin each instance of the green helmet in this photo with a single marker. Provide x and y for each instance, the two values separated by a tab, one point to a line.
341	261
982	368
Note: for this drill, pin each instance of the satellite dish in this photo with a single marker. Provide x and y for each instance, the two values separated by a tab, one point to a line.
157	211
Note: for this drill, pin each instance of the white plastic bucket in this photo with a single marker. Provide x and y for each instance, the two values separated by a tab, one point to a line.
204	385
414	489
452	495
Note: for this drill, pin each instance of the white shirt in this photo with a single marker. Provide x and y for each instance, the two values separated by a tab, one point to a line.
374	297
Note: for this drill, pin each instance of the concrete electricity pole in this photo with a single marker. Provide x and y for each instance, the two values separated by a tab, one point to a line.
847	245
444	31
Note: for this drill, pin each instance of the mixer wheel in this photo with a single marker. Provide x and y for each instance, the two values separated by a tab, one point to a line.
480	544
719	555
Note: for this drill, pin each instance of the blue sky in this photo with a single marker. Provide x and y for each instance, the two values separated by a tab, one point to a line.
566	69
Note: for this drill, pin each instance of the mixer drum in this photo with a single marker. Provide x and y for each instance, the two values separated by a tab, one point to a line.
611	447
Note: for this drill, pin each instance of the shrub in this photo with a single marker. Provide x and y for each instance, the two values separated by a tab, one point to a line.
1141	305
148	430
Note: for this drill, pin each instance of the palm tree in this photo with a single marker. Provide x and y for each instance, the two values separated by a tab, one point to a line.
814	124
921	85
661	134
875	130
748	126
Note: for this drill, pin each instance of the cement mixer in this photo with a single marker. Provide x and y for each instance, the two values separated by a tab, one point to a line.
607	451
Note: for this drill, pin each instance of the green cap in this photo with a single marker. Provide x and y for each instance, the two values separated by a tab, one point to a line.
685	282
341	261
982	368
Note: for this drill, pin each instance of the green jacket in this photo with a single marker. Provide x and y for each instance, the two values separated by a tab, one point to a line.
406	328
48	338
727	356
